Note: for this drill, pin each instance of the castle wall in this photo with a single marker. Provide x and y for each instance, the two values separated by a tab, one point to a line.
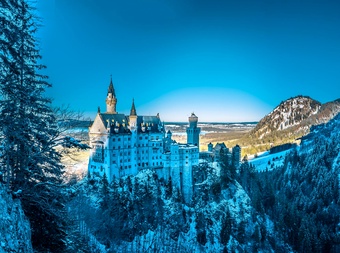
175	166
189	157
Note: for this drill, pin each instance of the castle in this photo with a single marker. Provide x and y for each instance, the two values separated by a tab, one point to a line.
122	145
233	156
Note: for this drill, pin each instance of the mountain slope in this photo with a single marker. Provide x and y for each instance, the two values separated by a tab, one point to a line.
306	203
290	120
15	231
143	213
287	114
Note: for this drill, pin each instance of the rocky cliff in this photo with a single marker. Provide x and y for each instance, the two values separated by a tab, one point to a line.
15	231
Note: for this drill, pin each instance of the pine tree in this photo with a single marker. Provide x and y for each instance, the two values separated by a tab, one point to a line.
226	227
28	128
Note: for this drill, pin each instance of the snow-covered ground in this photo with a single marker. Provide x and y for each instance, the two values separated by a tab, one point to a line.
266	161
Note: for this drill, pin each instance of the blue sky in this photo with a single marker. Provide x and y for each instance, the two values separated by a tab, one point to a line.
224	60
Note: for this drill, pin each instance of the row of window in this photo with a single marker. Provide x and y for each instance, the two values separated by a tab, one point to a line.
147	164
139	145
119	139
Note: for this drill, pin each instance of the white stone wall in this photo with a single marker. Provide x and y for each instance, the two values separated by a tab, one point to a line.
175	166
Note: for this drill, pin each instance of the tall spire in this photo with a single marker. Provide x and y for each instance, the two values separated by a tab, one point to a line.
111	100
133	109
111	89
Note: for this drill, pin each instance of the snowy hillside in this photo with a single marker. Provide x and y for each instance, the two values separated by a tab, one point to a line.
15	231
298	112
290	120
302	195
267	161
144	214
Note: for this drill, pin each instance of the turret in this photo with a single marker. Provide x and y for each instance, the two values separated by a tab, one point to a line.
169	134
133	115
111	100
210	147
193	132
193	119
236	156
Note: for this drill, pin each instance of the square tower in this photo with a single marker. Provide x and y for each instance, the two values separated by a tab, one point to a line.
193	132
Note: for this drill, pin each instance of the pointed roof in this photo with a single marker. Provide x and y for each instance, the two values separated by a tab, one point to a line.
133	111
111	89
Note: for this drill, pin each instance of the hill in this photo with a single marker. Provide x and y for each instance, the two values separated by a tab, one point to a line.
290	120
304	192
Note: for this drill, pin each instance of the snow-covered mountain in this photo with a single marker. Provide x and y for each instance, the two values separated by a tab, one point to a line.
295	116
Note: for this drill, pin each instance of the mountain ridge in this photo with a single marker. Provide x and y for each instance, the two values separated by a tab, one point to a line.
301	111
288	121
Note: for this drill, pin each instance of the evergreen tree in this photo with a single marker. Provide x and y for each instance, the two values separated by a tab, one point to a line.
225	228
28	128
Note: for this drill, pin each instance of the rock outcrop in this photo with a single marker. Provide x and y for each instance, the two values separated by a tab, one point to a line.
15	231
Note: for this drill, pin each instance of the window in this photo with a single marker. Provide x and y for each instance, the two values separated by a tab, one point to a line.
98	154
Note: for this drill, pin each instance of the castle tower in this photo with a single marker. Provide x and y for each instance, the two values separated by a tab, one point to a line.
111	100
193	132
236	156
210	147
133	115
169	135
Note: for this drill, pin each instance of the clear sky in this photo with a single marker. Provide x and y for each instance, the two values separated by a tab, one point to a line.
224	60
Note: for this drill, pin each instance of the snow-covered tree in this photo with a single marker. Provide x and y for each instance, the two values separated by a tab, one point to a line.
28	128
